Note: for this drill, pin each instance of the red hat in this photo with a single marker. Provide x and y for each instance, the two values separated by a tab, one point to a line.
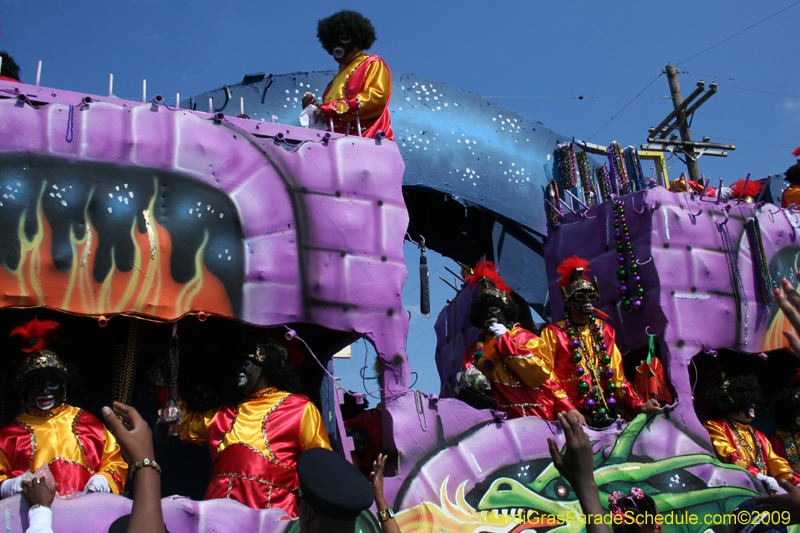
752	190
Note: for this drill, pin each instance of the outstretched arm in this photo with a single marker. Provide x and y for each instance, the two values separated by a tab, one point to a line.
577	467
376	480
136	441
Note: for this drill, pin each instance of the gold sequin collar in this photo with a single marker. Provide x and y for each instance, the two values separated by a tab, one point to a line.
262	393
52	413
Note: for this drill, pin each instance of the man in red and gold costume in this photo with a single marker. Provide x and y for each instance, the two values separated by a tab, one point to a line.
255	443
785	441
792	193
587	363
81	453
514	360
731	408
358	96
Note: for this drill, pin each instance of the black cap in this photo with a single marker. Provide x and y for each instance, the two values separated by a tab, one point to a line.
756	523
332	486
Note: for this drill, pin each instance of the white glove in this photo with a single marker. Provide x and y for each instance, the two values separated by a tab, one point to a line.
770	483
725	193
97	483
11	487
497	329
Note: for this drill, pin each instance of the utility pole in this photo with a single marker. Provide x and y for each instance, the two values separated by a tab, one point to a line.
657	136
686	135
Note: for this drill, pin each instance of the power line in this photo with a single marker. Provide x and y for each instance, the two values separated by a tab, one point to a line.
738	33
629	103
754	142
756	90
742	81
581	97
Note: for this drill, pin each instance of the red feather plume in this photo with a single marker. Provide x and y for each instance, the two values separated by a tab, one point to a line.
796	152
36	334
485	269
753	188
567	266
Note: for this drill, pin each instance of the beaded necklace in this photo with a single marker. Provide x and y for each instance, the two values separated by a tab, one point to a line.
622	235
592	360
756	454
479	350
790	445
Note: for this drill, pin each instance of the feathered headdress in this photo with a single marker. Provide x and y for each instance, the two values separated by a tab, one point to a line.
752	189
36	334
485	274
490	281
568	266
796	152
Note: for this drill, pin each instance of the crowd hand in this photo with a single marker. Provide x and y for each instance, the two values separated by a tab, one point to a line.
770	483
577	416
135	437
577	464
497	329
376	476
651	406
783	502
11	487
789	302
37	492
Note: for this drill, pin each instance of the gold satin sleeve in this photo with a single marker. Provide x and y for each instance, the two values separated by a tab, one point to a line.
551	345
531	361
5	467
112	462
777	466
722	446
619	376
194	426
374	98
312	430
790	196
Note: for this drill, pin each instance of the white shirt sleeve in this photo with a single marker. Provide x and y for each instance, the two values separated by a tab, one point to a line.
40	520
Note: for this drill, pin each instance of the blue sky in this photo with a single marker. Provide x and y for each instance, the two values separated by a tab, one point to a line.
533	57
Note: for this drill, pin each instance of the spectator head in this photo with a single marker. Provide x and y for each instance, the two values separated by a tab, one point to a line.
10	68
639	511
332	492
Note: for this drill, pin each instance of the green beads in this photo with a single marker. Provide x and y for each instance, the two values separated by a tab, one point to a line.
583	387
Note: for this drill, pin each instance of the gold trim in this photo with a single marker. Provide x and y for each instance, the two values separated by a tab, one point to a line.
52	413
222	440
80	443
274	459
232	475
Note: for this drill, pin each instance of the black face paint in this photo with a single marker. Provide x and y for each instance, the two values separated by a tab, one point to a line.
45	395
249	374
344	48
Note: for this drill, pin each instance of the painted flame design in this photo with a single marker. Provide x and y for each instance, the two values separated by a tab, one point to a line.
146	289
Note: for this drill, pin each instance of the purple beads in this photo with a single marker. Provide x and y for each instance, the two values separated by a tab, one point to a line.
589	404
580	370
608	372
575	343
612	402
637	304
487	364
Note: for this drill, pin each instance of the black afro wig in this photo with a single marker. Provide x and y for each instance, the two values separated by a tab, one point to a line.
732	395
10	68
481	304
356	25
276	367
786	406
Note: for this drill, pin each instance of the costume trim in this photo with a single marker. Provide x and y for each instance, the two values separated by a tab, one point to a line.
233	423
273	458
78	438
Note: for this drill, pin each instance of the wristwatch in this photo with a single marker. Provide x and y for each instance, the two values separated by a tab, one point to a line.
386	514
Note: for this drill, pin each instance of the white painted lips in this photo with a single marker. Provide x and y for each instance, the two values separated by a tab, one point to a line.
45	402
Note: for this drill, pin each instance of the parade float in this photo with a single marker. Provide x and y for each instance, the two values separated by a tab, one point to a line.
122	218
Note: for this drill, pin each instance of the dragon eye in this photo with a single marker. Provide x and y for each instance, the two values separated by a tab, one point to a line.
561	491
